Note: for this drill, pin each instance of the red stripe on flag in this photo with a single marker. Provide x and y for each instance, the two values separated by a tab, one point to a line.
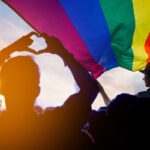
147	47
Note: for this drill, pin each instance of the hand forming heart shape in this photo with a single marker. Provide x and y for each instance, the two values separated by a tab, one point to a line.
54	46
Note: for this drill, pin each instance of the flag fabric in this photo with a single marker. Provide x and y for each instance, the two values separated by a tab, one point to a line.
101	34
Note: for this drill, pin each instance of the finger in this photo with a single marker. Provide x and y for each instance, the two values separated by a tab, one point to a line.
25	42
28	42
31	33
27	36
37	34
30	50
42	51
44	35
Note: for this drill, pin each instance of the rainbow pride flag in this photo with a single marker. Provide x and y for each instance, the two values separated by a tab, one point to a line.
101	34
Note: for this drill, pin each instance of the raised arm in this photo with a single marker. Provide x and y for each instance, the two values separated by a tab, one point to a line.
19	45
77	107
103	93
86	83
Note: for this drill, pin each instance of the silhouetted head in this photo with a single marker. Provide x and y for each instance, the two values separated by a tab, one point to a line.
20	82
146	73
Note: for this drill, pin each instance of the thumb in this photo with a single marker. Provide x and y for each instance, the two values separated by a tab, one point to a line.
42	51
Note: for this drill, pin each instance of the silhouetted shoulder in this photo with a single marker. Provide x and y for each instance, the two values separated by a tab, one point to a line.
121	104
144	93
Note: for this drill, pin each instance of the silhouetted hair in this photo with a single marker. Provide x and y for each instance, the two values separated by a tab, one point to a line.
20	77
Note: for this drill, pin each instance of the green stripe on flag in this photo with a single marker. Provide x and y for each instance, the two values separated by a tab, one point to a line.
121	22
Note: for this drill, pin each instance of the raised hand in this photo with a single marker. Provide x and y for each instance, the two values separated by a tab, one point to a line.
19	45
54	46
23	43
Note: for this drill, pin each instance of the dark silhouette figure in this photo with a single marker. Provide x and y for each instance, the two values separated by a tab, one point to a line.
146	79
58	129
122	125
20	80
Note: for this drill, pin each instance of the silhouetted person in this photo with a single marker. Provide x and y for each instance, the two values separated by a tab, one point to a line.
122	125
146	79
60	128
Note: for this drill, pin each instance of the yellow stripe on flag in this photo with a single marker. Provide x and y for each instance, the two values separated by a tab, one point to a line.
142	29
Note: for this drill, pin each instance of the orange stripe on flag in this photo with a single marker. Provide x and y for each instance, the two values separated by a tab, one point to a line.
147	47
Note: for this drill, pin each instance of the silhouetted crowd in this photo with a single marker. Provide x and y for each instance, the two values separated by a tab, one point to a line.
122	125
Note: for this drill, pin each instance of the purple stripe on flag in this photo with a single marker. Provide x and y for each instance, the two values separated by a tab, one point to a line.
48	16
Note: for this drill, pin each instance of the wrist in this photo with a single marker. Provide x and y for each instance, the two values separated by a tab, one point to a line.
4	55
65	54
8	50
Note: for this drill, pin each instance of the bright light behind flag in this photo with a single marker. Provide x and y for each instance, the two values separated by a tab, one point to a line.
98	33
13	27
